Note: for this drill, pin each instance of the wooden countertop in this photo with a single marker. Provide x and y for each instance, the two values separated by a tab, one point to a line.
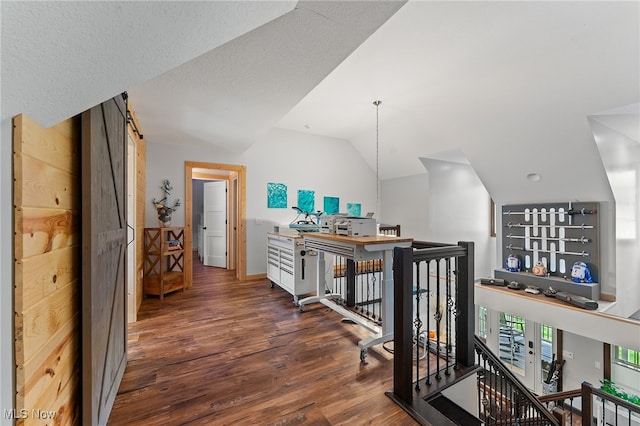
374	239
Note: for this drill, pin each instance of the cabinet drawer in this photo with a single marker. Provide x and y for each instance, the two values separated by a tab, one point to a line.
273	272
286	279
286	253
272	251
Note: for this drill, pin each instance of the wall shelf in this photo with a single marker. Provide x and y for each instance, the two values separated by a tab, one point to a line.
556	234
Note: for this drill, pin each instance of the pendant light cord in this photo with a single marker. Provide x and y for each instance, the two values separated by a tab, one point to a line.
377	104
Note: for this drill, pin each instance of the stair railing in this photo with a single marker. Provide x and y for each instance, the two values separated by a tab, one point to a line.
433	312
502	398
561	405
609	409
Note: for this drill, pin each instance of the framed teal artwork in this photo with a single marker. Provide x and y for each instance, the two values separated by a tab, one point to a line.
354	209
306	200
331	205
276	195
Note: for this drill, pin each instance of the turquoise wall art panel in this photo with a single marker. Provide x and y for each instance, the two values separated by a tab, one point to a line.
276	195
306	200
354	209
331	205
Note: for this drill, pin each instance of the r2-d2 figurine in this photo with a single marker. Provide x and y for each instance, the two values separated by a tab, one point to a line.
513	263
580	273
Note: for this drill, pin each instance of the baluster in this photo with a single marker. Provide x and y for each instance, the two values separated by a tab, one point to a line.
428	316
361	299
342	273
418	325
374	275
448	317
438	317
570	412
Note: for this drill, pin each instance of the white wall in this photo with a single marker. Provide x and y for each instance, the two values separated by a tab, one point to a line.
447	204
625	378
6	275
404	201
582	368
280	156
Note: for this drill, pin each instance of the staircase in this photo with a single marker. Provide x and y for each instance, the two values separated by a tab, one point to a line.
466	372
433	292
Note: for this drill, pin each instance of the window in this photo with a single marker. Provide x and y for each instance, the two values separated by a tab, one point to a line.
546	349
482	322
511	342
626	357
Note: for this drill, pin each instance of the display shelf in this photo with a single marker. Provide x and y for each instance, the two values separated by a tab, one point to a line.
589	290
163	267
558	235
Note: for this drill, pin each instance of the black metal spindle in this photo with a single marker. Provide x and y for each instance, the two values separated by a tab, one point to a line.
438	319
375	295
448	316
418	326
428	317
368	297
570	412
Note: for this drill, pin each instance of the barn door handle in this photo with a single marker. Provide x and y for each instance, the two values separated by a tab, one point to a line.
204	227
134	234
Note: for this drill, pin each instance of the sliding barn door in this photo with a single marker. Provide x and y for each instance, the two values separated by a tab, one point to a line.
104	232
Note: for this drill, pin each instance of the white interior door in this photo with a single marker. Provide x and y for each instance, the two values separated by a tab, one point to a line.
518	349
215	223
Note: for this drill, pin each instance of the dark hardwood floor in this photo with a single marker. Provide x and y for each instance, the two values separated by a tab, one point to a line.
227	352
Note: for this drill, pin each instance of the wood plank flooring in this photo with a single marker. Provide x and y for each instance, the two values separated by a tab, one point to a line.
227	352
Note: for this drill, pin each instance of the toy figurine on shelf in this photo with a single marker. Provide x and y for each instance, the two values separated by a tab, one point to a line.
513	263
580	273
539	269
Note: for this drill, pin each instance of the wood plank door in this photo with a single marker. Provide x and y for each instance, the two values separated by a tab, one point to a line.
104	233
215	223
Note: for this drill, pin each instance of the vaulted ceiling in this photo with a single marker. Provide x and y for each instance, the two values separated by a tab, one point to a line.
508	85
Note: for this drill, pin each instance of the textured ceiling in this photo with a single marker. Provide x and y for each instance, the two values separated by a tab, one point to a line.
232	95
506	86
60	58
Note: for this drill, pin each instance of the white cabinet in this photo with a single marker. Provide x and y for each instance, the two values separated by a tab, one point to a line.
290	266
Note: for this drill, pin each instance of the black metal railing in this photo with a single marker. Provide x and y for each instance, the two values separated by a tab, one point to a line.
602	408
358	286
433	314
502	398
563	405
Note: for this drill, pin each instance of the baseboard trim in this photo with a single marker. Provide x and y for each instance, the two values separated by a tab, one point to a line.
256	277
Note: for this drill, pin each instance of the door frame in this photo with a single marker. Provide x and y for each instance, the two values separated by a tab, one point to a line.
132	290
240	252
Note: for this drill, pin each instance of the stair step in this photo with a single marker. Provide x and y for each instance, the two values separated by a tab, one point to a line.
453	411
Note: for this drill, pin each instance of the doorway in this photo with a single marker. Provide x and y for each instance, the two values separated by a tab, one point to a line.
526	348
235	176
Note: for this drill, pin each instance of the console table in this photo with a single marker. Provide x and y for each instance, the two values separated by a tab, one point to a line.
357	249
